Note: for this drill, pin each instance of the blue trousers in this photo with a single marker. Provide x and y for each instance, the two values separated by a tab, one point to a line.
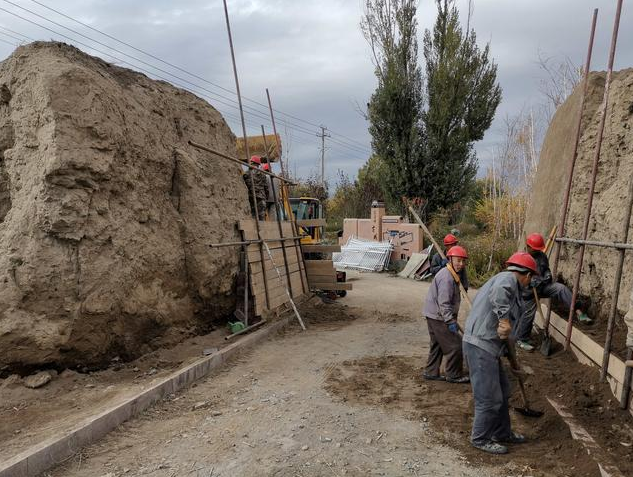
491	390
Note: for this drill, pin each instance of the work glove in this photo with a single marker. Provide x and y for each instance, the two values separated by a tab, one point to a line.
453	328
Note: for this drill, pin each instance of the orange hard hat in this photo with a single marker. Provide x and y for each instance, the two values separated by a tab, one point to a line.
535	241
450	239
457	251
521	262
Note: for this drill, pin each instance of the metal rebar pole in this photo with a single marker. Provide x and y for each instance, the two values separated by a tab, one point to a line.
241	163
251	242
246	149
615	294
279	225
572	163
626	385
594	173
286	201
596	243
246	284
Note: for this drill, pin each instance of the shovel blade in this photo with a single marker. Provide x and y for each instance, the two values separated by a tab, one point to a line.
546	346
527	412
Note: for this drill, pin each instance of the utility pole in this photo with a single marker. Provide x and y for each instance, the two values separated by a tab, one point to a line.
323	135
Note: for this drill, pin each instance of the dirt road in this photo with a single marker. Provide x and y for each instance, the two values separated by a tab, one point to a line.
343	398
270	414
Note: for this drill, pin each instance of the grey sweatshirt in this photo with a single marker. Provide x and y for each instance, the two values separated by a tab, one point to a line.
499	298
443	300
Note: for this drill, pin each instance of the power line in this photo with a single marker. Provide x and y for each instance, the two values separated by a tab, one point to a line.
254	112
259	115
179	68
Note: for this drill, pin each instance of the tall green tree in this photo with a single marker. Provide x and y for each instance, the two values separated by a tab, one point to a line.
395	109
462	97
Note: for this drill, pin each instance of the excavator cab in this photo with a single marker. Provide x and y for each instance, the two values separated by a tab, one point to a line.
308	208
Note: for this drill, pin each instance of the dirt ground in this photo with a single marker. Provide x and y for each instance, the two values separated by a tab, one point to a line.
29	416
346	398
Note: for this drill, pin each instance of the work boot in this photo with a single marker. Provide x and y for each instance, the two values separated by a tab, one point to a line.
513	438
491	448
459	380
430	377
525	346
583	318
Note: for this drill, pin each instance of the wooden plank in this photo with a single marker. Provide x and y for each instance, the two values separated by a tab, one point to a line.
588	352
278	257
320	248
278	294
257	282
331	285
268	229
277	288
319	265
272	246
322	277
312	223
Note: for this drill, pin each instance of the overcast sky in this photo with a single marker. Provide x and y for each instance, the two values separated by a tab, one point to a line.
312	56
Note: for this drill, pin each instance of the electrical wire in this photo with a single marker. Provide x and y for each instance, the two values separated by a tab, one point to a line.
231	104
185	71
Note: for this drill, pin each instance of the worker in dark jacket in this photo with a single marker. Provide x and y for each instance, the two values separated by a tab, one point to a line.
497	305
545	288
256	180
440	310
437	263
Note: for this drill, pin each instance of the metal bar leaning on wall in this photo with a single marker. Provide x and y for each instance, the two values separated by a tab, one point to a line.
572	164
594	174
615	293
285	199
248	156
278	211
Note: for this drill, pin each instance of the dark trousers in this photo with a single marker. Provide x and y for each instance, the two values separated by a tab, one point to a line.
556	291
444	343
491	390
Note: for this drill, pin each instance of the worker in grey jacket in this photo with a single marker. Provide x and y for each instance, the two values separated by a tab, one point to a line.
440	310
497	307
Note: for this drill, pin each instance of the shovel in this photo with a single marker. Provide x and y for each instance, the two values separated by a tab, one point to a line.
546	344
514	365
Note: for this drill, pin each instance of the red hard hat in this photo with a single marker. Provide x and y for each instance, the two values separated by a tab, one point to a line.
256	159
450	239
523	260
266	167
535	241
457	251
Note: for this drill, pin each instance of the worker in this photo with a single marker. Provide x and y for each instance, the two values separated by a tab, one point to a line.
437	263
497	305
440	310
255	178
545	288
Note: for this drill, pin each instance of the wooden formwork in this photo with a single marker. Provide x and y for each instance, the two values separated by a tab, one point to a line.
267	289
588	352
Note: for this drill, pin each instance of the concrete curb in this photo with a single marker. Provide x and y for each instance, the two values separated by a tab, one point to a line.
51	452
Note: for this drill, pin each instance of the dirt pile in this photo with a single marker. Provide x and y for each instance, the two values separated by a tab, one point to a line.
106	212
394	383
614	174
